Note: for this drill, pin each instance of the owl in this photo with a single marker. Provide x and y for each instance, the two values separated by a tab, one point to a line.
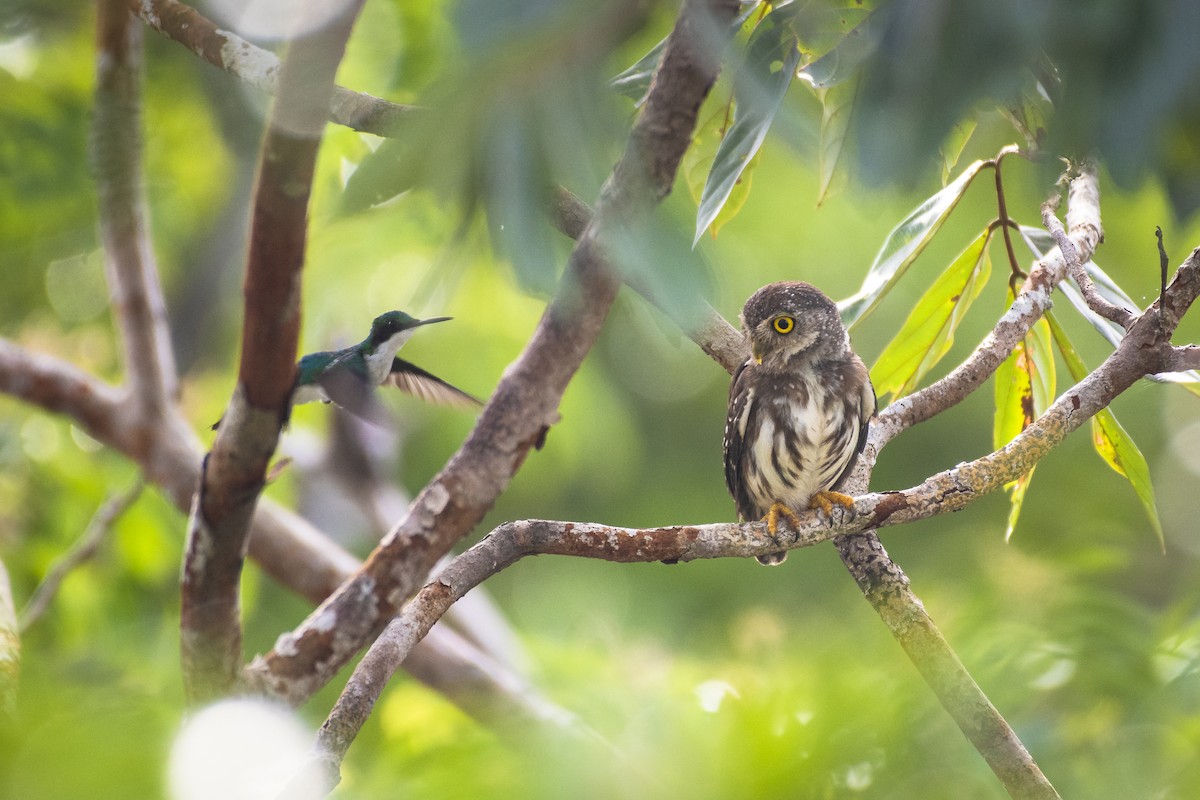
798	408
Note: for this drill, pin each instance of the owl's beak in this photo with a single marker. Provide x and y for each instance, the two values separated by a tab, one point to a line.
756	354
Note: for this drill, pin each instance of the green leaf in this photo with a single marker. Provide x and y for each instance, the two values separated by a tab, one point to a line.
772	55
837	108
928	333
1025	385
904	244
1111	440
699	158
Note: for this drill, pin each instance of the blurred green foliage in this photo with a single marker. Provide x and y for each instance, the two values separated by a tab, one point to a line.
712	679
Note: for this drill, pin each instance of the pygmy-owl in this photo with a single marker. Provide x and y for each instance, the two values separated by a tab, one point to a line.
798	408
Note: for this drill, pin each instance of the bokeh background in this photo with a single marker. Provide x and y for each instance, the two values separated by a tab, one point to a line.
714	679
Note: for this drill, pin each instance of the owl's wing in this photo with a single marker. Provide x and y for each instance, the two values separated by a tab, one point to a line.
741	400
409	378
867	410
867	405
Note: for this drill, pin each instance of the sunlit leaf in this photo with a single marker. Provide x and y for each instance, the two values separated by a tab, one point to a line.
1111	440
928	333
904	244
1040	243
837	108
1025	385
771	58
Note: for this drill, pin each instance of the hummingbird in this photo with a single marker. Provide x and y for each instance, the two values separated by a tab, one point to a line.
348	377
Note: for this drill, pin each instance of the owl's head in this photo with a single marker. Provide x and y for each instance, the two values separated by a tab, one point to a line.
791	321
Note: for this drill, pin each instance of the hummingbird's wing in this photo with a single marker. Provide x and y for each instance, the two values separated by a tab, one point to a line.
409	378
350	391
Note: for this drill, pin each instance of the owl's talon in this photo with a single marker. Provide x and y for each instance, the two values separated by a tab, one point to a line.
776	511
825	501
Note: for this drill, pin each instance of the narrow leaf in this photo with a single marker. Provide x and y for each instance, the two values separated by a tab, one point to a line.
772	55
928	333
1111	440
904	244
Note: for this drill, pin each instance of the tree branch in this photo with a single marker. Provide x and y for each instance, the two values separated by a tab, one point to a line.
233	473
129	258
80	553
525	403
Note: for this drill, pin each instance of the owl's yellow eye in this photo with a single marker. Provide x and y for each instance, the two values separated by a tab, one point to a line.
783	324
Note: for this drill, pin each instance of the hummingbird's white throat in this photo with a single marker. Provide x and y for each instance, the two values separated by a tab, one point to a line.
379	363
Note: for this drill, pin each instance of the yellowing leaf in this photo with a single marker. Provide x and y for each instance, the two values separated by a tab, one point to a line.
1111	440
928	333
1025	385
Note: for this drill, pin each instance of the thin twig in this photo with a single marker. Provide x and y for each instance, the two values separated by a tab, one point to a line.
1071	256
83	551
1163	263
1005	220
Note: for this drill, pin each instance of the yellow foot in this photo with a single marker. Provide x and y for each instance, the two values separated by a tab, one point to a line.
776	511
825	501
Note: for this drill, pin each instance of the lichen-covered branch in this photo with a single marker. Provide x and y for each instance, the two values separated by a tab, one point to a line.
234	472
